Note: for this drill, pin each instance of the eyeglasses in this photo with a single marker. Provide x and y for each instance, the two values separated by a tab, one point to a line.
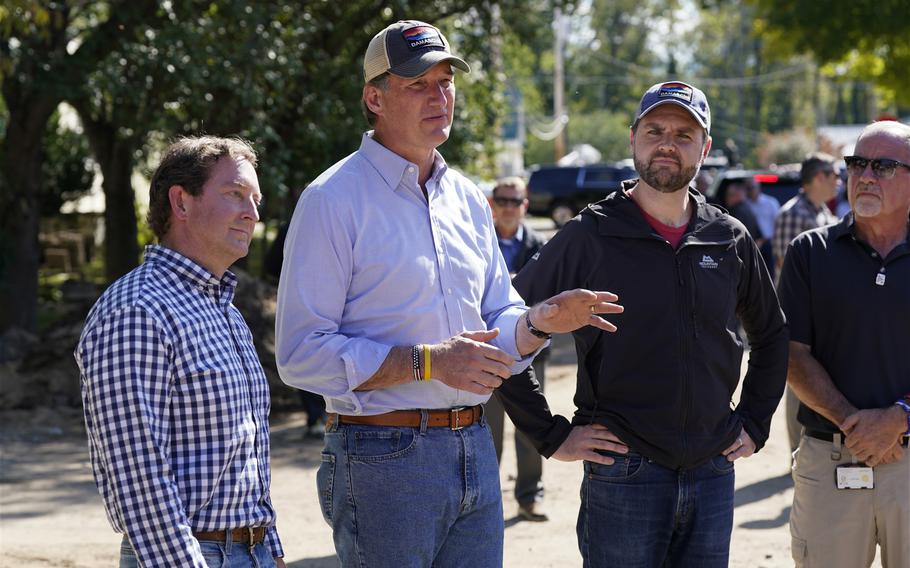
882	168
504	201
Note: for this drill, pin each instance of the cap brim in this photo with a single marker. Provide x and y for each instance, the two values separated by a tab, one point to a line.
422	63
681	104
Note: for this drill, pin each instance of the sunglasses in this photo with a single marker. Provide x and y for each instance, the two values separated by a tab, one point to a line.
882	168
504	201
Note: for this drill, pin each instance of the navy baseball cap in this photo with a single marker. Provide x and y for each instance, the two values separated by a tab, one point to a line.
408	49
676	93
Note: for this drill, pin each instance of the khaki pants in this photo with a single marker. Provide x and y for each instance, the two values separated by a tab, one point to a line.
833	527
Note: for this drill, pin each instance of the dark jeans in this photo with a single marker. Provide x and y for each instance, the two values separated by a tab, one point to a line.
528	485
635	513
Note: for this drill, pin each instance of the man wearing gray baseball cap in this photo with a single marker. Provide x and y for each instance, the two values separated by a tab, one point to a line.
660	389
396	305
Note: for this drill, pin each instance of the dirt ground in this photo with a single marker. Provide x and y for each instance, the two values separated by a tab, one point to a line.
51	514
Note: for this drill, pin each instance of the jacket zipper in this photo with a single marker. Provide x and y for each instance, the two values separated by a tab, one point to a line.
694	299
684	337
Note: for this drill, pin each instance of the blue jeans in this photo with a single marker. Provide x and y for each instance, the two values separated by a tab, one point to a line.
417	497
216	554
635	513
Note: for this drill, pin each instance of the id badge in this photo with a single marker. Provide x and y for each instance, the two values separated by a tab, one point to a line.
854	476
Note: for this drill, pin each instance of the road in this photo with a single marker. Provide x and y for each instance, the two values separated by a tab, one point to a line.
51	515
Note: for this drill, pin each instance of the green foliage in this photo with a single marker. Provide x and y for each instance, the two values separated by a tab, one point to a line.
605	130
67	169
864	39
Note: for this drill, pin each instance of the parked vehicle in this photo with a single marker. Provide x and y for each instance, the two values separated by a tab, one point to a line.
561	192
780	184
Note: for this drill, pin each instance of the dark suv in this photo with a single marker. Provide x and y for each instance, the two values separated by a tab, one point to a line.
561	192
779	184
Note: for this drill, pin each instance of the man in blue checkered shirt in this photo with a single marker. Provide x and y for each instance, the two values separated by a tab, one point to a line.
176	402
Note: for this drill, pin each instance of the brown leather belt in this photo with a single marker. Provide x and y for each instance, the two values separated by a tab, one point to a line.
248	535
453	418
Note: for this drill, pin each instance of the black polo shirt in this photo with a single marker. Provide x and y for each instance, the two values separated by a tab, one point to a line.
853	308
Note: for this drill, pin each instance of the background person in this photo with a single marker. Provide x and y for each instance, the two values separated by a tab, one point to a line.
518	243
765	209
805	211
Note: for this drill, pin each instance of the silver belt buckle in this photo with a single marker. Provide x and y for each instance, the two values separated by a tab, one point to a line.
455	419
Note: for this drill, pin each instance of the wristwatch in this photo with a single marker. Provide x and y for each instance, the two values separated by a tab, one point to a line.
534	331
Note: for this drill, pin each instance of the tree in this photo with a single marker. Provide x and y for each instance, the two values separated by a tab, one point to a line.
46	50
865	39
66	169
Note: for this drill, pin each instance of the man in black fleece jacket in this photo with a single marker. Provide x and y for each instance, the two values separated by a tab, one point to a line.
655	421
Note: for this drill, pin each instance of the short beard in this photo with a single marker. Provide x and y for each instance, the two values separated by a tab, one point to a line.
663	180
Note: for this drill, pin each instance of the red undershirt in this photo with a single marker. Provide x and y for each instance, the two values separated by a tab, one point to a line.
672	234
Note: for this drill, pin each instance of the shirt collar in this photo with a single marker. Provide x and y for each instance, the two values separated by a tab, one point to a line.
847	227
392	167
843	228
518	236
191	272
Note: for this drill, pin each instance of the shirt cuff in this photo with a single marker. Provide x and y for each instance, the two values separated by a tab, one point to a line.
507	340
361	361
273	542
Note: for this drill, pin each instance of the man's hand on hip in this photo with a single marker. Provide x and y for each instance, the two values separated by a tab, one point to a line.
573	309
469	363
742	447
583	441
872	433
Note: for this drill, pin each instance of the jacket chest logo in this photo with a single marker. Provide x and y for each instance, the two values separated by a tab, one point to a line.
707	262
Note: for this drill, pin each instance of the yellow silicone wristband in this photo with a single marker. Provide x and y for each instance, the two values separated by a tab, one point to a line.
426	363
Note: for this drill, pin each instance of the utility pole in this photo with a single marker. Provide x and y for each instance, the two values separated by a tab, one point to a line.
559	112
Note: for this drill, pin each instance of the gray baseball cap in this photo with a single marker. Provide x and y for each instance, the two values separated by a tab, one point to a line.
408	48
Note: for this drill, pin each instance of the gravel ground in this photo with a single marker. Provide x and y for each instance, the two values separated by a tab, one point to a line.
51	514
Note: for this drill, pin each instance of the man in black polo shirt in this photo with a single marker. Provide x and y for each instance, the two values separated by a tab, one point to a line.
846	291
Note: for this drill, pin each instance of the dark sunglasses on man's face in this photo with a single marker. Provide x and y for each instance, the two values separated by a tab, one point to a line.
504	201
882	168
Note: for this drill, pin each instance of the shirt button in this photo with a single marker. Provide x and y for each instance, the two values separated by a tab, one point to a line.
449	290
410	170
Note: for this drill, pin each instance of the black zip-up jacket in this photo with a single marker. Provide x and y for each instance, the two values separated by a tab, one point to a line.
664	381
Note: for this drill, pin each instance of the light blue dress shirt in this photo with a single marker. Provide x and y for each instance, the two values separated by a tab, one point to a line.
369	265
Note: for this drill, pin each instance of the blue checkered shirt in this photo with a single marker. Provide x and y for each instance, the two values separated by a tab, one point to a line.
176	410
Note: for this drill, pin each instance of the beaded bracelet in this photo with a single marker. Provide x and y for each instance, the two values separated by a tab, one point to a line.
415	361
